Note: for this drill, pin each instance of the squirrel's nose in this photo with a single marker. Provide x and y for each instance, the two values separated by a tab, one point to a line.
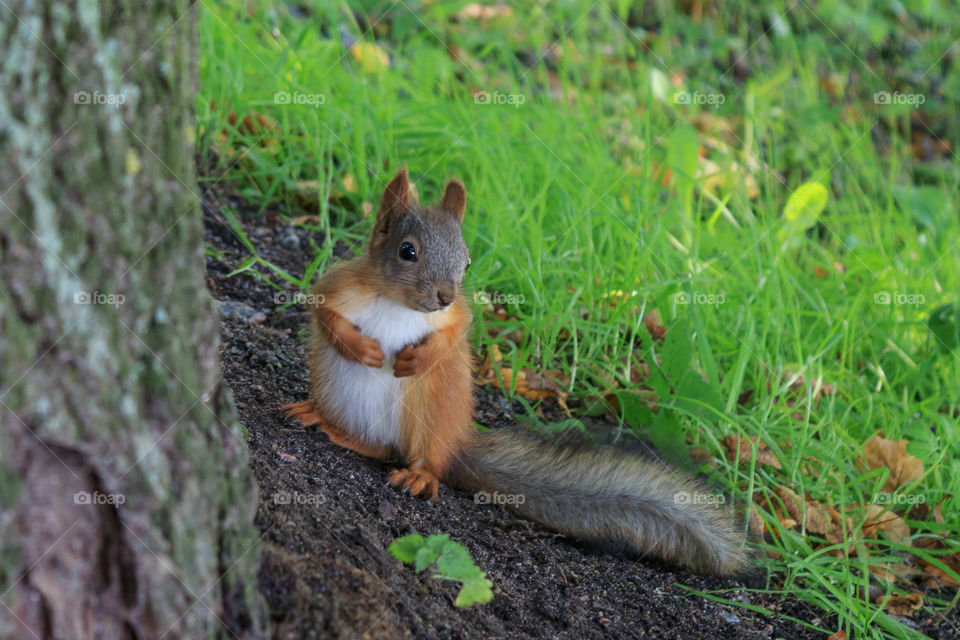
445	296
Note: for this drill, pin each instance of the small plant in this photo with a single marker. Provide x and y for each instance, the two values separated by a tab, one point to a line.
452	561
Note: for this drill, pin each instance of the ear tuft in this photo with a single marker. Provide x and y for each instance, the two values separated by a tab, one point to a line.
455	198
395	198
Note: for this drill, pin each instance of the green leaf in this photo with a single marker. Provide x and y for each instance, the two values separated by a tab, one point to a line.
677	351
802	211
477	591
633	407
405	549
425	557
944	324
438	542
453	562
456	564
929	206
667	435
698	397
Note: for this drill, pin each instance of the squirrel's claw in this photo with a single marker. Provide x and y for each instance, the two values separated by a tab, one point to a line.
415	482
305	413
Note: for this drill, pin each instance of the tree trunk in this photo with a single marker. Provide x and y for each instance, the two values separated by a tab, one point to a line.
126	499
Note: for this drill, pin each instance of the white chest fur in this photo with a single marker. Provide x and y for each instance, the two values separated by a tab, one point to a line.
365	401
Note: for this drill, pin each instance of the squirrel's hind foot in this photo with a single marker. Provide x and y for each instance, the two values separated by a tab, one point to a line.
415	482
307	415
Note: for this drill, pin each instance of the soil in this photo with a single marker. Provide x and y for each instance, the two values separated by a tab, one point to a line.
326	517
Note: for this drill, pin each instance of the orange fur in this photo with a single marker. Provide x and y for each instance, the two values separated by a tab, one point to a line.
307	414
438	403
334	294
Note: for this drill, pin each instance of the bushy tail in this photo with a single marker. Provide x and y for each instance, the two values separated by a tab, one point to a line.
605	496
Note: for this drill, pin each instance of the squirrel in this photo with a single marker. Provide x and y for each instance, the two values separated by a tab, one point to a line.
391	377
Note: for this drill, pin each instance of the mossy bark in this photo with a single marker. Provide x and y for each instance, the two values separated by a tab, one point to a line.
126	499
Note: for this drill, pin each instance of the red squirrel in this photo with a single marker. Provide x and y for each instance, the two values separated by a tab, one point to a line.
391	378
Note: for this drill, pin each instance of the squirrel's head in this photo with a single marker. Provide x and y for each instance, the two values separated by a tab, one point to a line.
418	252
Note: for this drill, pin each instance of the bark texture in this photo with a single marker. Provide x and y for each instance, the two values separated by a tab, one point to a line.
126	499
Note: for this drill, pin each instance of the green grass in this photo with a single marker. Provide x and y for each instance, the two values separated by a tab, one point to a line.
568	208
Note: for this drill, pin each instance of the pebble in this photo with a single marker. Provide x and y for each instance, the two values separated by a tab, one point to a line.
387	510
730	618
290	239
230	309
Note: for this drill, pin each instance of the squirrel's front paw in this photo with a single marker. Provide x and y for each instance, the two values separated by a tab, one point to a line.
415	482
413	360
364	350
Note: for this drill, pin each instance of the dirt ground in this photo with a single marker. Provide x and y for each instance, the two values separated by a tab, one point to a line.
326	517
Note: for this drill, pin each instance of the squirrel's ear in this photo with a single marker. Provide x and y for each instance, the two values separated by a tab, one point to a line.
395	198
455	199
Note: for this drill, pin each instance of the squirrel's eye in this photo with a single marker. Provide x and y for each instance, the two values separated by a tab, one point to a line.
407	252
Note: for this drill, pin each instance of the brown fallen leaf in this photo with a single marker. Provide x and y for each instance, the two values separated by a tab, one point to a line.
879	452
814	516
255	124
935	577
882	519
286	457
839	635
531	384
755	523
741	448
654	326
901	605
299	221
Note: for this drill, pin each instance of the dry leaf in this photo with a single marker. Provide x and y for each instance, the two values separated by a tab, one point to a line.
882	519
286	457
814	517
479	12
528	383
741	448
755	523
299	221
839	635
350	183
654	326
370	57
901	605
367	209
879	452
